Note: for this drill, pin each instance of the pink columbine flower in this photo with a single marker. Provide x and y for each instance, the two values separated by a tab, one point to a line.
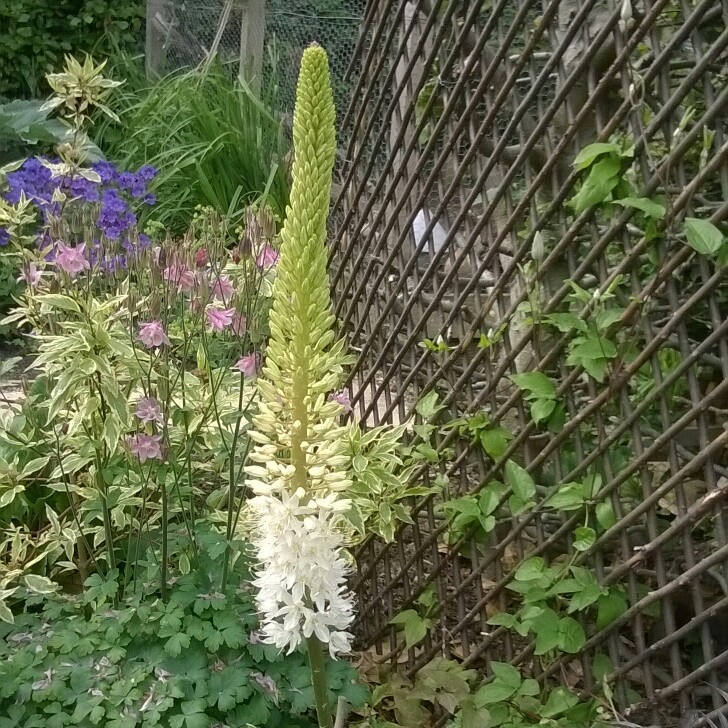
267	257
145	447
71	259
222	289
148	409
152	334
248	365
341	398
31	275
201	257
181	276
218	319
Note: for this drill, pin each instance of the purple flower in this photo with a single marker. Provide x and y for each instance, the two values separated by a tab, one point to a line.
222	289
4	237
201	257
145	447
71	259
218	319
152	334
239	325
267	257
341	398
248	365
148	409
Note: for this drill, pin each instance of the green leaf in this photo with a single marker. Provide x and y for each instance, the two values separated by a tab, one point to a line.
415	626
603	178
572	637
504	619
587	155
520	481
56	300
609	607
605	515
537	383
542	409
531	569
560	700
427	407
39	584
703	236
467	505
569	497
174	645
601	666
495	692
566	322
507	674
653	209
494	440
584	538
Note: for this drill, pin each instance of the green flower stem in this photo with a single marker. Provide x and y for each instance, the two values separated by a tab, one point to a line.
318	678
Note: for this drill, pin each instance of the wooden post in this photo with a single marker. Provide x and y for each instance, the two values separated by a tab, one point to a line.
155	46
252	35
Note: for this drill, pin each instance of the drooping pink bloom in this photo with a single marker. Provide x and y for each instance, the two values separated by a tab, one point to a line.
248	365
218	319
267	257
148	409
31	275
223	289
145	447
201	258
181	276
239	325
71	259
152	334
341	398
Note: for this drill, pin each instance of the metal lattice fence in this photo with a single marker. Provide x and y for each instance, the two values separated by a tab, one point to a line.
480	237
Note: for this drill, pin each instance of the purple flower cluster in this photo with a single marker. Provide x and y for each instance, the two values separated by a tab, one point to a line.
113	200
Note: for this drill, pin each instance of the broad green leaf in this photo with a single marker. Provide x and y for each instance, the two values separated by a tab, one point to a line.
655	210
601	666
519	481
507	674
39	584
560	700
5	614
703	236
467	505
495	692
174	645
603	178
494	441
587	155
605	515
427	407
609	607
504	619
572	637
565	322
569	497
537	383
584	538
56	300
542	409
531	569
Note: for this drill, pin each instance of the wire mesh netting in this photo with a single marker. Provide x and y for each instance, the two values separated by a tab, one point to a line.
530	224
182	35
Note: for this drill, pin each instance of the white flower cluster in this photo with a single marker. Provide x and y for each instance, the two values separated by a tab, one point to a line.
302	577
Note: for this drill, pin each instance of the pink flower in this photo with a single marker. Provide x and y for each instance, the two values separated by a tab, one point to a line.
181	276
341	398
218	319
145	447
248	365
148	409
222	289
152	334
201	257
71	259
31	275
267	257
239	325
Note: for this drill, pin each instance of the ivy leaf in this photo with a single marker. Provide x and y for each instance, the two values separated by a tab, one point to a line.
520	481
427	407
494	440
584	538
605	515
560	700
571	635
593	151
609	607
603	178
415	627
495	692
703	236
507	674
655	210
569	497
542	409
566	322
536	383
530	569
